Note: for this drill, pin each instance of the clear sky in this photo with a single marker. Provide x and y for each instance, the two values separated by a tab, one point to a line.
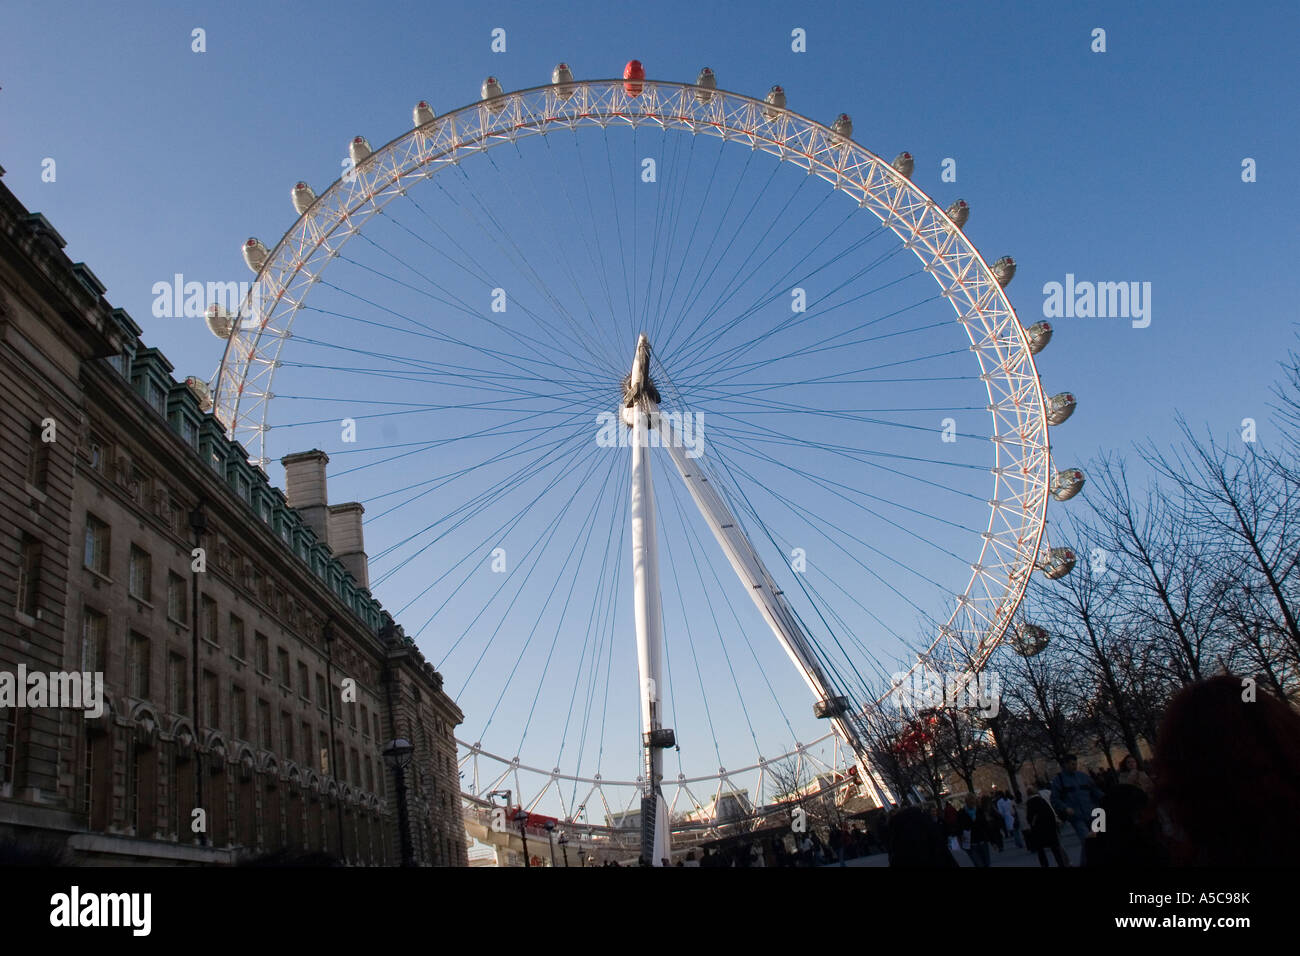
1122	166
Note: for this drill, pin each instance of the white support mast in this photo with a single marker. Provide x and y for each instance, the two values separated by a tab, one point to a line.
769	598
639	398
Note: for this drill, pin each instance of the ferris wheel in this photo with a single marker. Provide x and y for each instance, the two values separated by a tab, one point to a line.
616	353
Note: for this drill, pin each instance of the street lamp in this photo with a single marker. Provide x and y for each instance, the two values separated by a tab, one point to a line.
397	754
564	847
550	838
521	817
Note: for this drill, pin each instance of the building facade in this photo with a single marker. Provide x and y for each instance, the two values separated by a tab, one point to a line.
249	679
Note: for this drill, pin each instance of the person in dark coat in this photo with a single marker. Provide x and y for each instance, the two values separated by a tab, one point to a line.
992	821
1227	778
976	831
951	827
917	841
1131	836
1075	795
1044	833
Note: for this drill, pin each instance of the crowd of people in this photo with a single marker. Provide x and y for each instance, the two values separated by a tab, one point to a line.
1220	789
1035	818
784	848
794	849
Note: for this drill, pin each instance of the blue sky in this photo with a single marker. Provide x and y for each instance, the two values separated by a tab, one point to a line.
1115	166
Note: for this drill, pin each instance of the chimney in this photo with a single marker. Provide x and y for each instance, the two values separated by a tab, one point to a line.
346	540
304	481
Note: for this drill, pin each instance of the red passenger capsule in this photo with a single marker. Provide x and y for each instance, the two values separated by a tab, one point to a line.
633	73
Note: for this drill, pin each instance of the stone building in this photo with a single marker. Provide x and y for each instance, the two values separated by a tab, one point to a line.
248	673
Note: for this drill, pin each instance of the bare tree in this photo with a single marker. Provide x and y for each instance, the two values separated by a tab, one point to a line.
1084	611
1164	566
1044	688
1012	738
1242	502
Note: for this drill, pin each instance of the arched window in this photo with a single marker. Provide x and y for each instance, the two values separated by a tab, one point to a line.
214	795
99	780
183	794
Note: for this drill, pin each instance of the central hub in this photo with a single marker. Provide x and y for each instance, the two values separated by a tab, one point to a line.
638	386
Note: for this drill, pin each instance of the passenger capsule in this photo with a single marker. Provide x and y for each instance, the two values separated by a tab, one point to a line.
422	114
1030	639
1059	563
830	707
904	163
562	80
707	83
959	212
1067	483
491	90
775	100
303	197
201	392
633	74
220	322
1060	407
1039	334
358	150
1004	270
255	254
843	126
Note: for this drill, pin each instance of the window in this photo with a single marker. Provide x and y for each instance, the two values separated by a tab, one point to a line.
238	712
264	724
282	662
286	734
95	453
322	699
305	738
352	714
304	681
263	650
190	433
94	641
324	741
168	511
8	741
140	573
141	488
208	620
211	700
237	645
97	539
177	685
378	738
370	775
29	575
356	767
38	459
365	721
158	398
177	604
137	665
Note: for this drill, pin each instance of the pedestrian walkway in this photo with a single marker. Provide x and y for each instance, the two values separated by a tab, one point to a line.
1010	856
